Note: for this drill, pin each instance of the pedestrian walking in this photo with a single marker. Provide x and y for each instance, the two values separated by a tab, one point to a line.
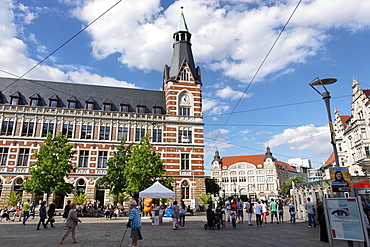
71	224
26	211
310	208
51	212
134	223
239	210
66	209
175	216
32	209
292	212
42	215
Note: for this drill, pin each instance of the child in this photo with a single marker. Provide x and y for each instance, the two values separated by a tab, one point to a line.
223	218
233	217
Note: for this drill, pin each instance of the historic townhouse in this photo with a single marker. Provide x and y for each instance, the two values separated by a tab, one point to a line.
352	134
256	176
96	118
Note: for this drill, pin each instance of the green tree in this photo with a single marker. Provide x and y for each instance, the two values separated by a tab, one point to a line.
52	166
121	197
115	179
133	168
287	185
212	186
143	166
13	198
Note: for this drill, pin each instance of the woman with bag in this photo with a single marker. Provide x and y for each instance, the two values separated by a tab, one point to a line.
175	216
182	214
71	224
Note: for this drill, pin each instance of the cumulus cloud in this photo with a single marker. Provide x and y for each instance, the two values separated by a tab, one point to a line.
214	107
229	93
303	138
220	39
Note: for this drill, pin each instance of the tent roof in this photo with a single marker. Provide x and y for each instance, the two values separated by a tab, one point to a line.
157	190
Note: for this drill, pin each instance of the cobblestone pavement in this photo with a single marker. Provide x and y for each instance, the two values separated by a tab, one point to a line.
96	232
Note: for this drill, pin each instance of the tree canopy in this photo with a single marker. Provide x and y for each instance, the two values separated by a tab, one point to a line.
287	185
133	168
52	166
212	186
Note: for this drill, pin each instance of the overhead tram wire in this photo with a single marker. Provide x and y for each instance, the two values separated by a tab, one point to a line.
273	107
259	68
66	42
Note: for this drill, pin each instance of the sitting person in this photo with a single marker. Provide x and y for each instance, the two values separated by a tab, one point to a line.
189	210
18	213
4	214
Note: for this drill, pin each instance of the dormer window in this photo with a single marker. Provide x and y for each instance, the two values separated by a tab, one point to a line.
107	105
157	110
124	108
140	109
35	100
72	102
15	98
90	104
54	101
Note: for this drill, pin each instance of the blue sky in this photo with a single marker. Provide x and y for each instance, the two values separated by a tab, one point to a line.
130	45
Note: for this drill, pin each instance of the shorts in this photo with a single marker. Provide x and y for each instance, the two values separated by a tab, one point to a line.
273	213
281	212
240	213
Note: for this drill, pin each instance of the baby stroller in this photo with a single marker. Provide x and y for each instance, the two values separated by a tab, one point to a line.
211	220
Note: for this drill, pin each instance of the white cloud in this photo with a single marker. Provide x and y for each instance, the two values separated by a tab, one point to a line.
220	39
216	140
214	107
229	93
244	132
304	138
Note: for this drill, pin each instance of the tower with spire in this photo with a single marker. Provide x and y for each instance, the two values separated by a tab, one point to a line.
184	129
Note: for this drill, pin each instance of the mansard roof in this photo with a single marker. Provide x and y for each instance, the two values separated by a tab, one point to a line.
82	93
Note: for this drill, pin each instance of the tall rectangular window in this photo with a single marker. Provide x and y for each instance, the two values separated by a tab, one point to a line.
27	128
83	160
68	130
157	135
23	157
3	156
86	132
122	133
184	111
157	110
367	152
102	159
7	128
185	136
53	103
363	133
47	128
89	106
104	133
72	104
185	163
34	102
124	108
139	133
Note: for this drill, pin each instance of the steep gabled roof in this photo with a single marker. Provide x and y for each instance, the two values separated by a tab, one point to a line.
344	120
252	159
329	162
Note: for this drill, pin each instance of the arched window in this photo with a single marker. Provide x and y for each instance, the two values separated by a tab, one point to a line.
18	185
185	189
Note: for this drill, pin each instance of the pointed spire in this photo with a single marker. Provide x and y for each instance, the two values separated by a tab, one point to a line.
268	154
217	157
181	26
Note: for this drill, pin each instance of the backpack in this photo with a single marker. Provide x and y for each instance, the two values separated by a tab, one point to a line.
291	209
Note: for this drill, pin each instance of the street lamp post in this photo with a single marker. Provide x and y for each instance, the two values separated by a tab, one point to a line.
326	97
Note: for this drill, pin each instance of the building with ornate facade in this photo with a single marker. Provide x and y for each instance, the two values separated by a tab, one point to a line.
255	176
96	118
352	134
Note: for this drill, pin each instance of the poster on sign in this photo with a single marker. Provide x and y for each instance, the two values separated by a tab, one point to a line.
340	179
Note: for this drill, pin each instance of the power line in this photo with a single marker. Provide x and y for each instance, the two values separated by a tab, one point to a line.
259	68
66	42
273	107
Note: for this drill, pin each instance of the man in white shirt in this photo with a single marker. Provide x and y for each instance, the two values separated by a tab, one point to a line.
228	208
310	208
258	213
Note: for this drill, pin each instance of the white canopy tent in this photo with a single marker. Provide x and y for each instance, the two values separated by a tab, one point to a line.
157	190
